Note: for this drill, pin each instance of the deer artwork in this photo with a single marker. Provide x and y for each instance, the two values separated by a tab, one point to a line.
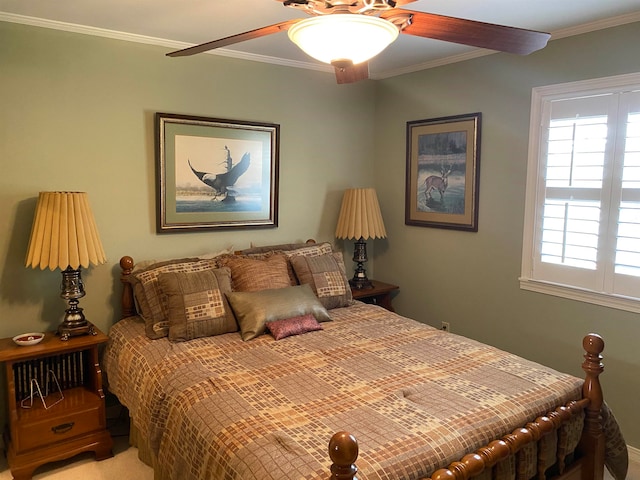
439	183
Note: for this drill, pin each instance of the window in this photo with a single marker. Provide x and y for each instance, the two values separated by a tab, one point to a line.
582	221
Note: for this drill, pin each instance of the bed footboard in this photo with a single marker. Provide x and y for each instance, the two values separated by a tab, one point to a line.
589	464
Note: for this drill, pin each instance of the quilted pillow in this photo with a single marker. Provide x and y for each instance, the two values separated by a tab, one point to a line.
326	276
255	274
289	250
293	326
197	305
139	295
151	302
254	309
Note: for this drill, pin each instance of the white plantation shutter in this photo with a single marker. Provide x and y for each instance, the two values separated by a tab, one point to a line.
582	225
627	252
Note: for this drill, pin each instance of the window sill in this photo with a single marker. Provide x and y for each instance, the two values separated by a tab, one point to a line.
581	295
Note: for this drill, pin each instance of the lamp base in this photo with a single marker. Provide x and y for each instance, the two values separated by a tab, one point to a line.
360	283
74	322
360	280
67	331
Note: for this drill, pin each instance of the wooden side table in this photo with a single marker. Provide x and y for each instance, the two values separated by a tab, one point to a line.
380	294
75	424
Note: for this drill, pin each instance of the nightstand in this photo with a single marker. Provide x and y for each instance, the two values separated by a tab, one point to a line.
380	294
76	424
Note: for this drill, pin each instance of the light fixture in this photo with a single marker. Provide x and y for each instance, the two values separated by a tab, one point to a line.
360	219
64	235
342	39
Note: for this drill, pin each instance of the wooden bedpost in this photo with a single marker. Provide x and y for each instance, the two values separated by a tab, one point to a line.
343	450
128	306
592	441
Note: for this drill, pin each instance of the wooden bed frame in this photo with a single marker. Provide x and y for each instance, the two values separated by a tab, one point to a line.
343	447
588	463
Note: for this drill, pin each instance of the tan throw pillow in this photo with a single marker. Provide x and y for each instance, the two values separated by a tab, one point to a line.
255	274
254	309
197	305
326	276
289	250
151	300
139	294
314	250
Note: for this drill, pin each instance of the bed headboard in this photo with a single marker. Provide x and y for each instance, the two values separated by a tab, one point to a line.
128	304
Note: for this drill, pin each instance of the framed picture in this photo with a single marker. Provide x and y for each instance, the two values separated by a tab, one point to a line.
443	171
215	174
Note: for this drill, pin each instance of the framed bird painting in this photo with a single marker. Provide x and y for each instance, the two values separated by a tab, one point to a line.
213	173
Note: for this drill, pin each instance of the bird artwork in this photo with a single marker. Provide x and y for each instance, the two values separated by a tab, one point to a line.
221	183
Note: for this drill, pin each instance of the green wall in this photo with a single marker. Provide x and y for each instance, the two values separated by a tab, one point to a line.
77	114
471	279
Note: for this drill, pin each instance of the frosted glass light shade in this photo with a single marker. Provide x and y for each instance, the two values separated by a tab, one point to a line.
342	36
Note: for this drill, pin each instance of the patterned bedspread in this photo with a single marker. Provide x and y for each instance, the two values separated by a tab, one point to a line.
415	398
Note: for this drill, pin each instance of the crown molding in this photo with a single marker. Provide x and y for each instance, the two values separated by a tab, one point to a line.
597	25
172	44
83	29
132	37
432	64
562	33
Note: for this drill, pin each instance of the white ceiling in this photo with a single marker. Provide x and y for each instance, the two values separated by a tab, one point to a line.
177	24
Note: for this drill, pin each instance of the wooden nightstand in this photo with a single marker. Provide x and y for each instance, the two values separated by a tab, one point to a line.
380	294
76	424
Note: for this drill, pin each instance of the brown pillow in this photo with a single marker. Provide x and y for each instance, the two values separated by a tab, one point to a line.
293	326
150	299
139	295
255	274
254	309
289	250
197	305
326	276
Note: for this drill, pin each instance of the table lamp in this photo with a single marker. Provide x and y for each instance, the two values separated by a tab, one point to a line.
360	219
64	236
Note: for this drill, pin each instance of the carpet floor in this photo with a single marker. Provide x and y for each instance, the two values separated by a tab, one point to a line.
124	465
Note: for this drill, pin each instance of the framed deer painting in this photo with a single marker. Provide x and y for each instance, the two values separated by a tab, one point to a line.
443	171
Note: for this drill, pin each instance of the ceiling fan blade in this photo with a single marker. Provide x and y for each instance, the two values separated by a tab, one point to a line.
240	37
471	32
352	73
304	2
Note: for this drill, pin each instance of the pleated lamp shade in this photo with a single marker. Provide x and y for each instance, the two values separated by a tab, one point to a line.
360	215
64	233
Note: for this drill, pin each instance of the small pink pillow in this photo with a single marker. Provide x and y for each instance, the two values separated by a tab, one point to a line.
293	326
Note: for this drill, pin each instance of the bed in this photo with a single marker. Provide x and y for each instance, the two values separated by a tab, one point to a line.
259	364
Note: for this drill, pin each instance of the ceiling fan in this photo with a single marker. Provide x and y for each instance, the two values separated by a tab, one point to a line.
344	24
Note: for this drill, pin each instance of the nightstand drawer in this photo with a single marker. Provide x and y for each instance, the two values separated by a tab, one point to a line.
64	424
75	424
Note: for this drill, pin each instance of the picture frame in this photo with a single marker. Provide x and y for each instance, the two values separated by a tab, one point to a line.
214	173
443	172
